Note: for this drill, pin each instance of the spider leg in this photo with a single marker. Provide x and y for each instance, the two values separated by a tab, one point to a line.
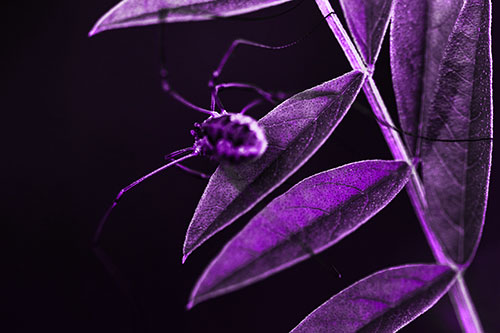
366	112
165	85
250	105
192	172
174	94
216	73
273	98
170	157
130	186
240	41
215	101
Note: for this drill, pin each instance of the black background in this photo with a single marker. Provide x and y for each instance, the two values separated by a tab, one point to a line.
81	118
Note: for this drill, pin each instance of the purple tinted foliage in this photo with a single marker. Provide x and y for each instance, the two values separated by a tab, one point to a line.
132	13
312	216
433	21
441	66
368	21
382	302
295	129
419	34
456	175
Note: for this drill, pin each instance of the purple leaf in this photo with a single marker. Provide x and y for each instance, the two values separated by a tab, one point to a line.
382	302
312	216
456	174
419	34
295	129
367	21
131	13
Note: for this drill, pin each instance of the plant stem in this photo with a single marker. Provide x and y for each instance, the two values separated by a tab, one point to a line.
463	305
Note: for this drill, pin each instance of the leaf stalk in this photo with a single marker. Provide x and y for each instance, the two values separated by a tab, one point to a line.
462	302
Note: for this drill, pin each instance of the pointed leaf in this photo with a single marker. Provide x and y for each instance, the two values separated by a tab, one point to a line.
131	13
313	215
367	21
419	35
382	302
456	174
295	129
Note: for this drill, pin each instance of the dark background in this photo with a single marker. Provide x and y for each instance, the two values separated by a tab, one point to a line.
84	117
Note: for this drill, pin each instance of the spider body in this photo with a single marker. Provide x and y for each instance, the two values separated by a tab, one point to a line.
232	138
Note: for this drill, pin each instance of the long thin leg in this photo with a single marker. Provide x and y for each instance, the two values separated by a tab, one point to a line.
217	72
192	172
250	105
244	17
225	58
178	97
171	157
241	41
165	85
176	153
273	98
270	97
127	188
365	111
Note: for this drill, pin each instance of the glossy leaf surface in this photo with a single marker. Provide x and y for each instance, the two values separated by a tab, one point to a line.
132	13
367	21
313	215
456	174
382	302
295	129
419	35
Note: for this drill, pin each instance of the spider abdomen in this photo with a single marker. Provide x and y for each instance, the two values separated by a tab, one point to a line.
232	138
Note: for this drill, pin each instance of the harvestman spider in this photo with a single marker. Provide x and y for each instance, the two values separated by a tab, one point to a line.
232	137
225	137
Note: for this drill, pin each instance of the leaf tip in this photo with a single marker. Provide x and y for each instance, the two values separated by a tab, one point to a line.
186	253
189	247
190	305
193	297
93	32
97	28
